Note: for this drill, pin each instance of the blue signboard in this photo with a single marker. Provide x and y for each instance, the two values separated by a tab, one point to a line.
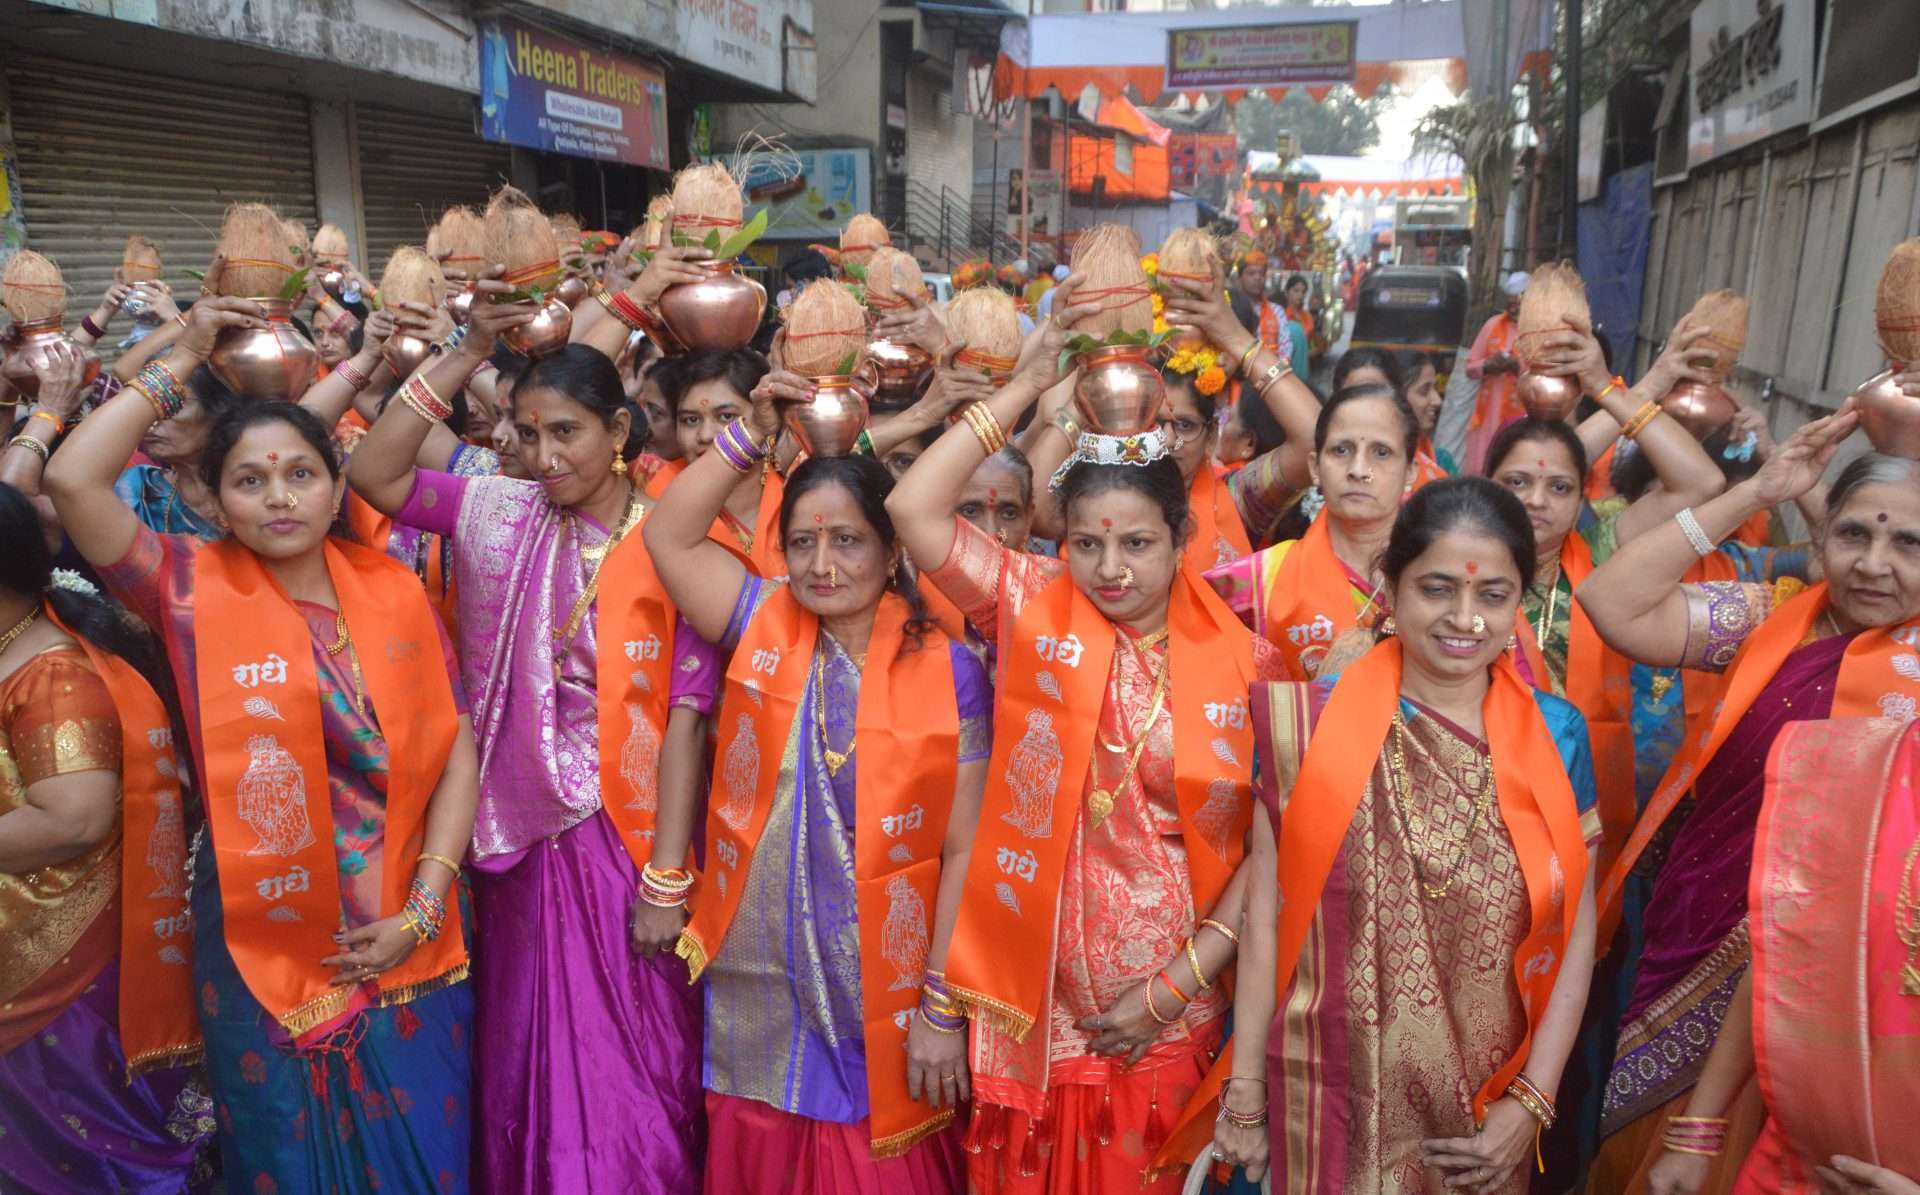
545	92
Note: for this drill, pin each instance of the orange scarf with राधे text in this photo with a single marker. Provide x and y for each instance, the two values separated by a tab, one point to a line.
268	797
1055	661
758	547
633	681
1537	807
1599	683
375	530
159	1025
1218	534
1305	598
1879	677
907	732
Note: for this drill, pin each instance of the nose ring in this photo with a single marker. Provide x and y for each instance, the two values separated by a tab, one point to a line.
833	574
1126	576
1000	533
553	464
1479	625
293	500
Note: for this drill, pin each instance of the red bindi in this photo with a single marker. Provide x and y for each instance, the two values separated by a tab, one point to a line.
1472	568
993	495
1107	523
273	457
819	519
1542	464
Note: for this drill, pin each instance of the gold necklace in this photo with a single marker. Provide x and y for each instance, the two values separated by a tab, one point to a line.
18	629
1906	921
1422	836
563	638
835	759
1544	627
344	642
1100	801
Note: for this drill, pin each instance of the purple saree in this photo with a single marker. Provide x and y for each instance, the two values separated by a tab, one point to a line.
1695	947
587	1054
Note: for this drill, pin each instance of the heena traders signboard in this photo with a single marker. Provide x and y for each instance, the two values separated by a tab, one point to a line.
1750	63
546	92
1261	55
808	194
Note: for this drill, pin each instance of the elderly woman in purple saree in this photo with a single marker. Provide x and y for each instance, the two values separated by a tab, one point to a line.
588	1053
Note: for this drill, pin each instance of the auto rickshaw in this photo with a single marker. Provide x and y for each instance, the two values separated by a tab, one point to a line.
1412	309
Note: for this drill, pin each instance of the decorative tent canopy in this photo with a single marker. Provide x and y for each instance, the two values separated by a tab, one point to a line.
1117	53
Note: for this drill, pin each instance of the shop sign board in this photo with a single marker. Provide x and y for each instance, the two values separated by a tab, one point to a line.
1751	66
1261	55
809	194
546	92
750	40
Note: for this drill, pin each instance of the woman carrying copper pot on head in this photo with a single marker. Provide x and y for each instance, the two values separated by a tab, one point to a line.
1103	897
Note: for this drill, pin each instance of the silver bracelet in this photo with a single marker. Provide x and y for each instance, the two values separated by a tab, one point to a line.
1690	527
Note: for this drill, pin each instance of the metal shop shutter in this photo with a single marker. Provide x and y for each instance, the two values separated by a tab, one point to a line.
413	166
104	153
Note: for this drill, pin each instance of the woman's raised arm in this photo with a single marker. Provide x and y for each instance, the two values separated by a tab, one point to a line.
331	396
382	468
922	502
1635	599
701	577
80	477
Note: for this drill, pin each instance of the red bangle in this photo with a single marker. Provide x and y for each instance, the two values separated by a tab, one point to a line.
640	319
352	376
1175	988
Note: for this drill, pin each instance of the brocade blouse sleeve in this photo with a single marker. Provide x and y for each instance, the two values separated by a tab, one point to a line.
979	573
697	670
973	692
1721	614
434	502
60	718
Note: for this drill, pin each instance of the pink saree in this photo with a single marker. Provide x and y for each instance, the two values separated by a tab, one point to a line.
1837	844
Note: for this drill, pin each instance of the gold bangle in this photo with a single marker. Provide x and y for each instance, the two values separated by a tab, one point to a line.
1193	960
1240	366
1146	997
416	406
38	448
985	427
1618	383
1221	929
1641	418
449	864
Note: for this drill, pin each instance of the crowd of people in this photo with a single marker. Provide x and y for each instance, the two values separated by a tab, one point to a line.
1008	804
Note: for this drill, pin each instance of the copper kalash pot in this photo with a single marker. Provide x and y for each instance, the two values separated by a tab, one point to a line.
721	311
1700	407
27	348
547	334
830	422
1119	392
1548	398
1889	416
901	369
571	291
460	304
275	363
405	352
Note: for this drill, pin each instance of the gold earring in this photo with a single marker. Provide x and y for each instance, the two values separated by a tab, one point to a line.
1513	641
1388	628
617	466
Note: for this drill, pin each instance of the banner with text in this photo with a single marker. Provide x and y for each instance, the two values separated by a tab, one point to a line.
546	92
1752	71
1260	55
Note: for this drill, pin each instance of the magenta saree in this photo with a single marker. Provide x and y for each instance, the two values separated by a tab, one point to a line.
586	1056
